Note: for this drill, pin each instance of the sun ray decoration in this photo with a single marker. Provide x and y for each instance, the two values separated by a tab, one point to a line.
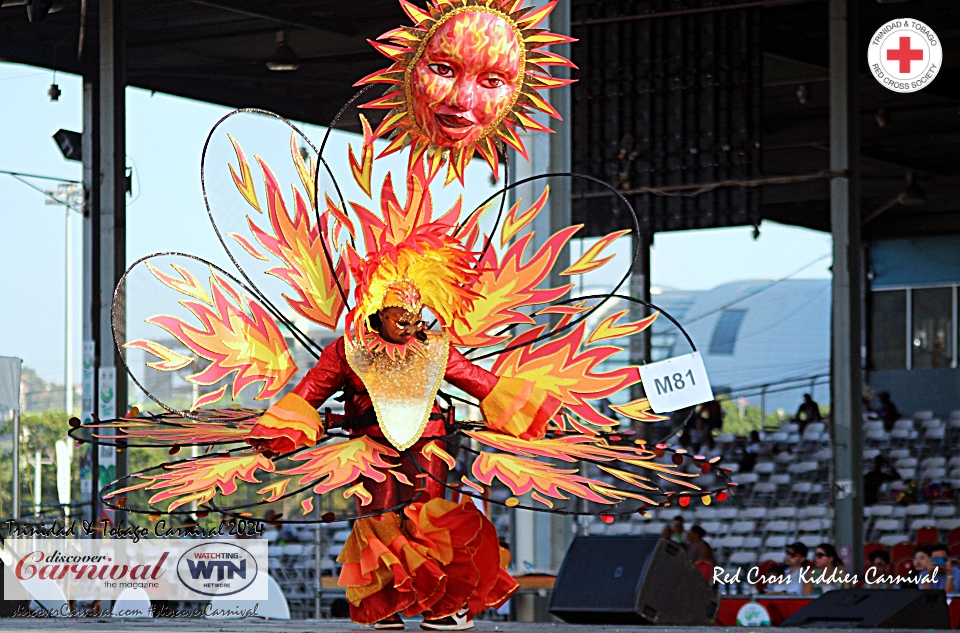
296	241
341	464
236	335
210	426
196	480
406	47
567	367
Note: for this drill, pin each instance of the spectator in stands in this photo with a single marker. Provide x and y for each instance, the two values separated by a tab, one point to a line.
288	534
697	548
712	415
828	573
795	561
867	396
808	412
934	568
883	471
709	448
604	407
675	531
750	452
888	411
878	567
699	435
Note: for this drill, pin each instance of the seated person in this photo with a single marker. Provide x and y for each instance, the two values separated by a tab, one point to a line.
934	568
795	560
698	550
828	572
750	452
808	412
878	568
674	531
883	472
888	411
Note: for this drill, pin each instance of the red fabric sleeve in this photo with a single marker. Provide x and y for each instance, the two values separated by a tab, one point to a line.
327	377
468	376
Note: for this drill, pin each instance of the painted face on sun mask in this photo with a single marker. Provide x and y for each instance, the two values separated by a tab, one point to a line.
466	79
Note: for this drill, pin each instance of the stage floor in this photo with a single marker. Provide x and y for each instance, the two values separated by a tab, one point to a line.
97	625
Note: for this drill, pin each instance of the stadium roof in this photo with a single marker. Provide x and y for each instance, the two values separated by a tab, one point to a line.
215	51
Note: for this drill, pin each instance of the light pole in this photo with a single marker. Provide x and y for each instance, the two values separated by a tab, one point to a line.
70	195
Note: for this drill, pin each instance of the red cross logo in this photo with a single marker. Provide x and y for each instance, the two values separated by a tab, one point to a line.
905	54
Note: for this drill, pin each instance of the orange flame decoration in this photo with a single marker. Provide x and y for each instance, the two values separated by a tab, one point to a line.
523	475
296	241
590	260
566	368
404	47
328	467
507	286
249	344
199	480
362	169
336	465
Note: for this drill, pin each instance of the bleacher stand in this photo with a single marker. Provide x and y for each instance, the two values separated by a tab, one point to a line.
785	499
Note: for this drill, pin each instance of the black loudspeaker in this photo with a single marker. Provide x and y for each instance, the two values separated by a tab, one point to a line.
875	608
631	580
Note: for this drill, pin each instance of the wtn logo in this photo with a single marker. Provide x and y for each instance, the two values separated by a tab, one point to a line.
224	568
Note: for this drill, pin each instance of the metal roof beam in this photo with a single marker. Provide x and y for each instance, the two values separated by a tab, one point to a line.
285	18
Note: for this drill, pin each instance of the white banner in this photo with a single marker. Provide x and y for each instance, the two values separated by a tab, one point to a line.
107	410
676	383
167	569
87	382
10	382
86	417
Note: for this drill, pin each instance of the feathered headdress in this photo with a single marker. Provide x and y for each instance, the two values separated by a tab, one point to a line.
408	252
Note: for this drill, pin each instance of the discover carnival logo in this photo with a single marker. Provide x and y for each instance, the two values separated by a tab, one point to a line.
167	569
905	55
217	569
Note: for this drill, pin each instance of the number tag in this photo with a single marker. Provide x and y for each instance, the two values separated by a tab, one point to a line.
676	383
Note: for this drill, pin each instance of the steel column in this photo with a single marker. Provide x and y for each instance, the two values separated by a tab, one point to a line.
111	250
91	278
846	379
541	540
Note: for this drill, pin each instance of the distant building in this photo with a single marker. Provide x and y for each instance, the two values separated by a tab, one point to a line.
750	334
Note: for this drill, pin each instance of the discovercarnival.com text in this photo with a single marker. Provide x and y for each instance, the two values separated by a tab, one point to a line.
160	611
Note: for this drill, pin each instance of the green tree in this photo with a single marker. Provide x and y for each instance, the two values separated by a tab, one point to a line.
39	432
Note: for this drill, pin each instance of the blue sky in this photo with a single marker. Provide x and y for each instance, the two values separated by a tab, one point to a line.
165	136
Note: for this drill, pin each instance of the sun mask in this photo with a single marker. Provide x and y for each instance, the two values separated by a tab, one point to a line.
465	79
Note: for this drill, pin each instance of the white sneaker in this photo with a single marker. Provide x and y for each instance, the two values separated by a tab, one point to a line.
459	621
392	623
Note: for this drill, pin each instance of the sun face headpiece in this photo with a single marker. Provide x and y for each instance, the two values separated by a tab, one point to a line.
465	78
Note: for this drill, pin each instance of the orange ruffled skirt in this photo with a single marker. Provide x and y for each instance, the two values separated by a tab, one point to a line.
432	560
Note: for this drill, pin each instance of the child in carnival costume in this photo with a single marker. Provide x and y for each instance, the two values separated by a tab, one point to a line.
437	558
464	80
